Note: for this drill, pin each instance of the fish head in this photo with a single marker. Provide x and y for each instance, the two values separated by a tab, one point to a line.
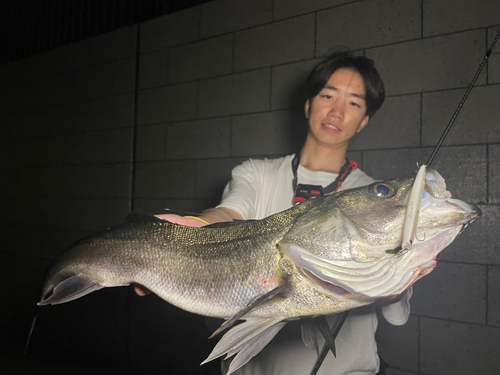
352	241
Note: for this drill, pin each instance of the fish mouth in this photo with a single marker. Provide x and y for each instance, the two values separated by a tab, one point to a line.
455	211
466	225
436	196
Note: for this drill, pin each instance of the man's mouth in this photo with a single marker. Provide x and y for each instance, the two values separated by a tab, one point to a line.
331	127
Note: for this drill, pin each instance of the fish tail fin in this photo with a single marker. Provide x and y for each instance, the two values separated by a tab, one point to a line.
246	340
69	289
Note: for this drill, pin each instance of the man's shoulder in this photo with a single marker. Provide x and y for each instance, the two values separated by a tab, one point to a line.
267	165
358	178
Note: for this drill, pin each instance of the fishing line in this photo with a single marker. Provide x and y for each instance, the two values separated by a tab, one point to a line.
464	98
29	336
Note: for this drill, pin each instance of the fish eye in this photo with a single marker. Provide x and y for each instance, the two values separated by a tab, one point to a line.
383	190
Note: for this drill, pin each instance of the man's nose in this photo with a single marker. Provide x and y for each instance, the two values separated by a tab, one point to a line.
337	109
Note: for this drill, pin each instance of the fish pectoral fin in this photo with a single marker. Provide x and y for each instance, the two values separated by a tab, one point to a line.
257	301
246	340
70	289
308	334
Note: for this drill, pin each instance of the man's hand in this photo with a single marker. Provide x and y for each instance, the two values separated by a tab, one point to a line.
187	221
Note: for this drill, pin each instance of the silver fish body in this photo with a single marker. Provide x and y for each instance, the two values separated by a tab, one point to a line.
325	256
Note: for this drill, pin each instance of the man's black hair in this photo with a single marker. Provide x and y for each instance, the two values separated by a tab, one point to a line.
319	76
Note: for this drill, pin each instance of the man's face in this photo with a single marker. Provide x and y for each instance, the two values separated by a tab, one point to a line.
338	112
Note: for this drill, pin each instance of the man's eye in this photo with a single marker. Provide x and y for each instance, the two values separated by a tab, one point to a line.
355	104
327	96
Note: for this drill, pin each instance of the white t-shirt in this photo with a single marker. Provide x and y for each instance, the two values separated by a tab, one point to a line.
260	188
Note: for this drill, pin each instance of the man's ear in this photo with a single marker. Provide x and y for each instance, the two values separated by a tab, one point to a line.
306	108
363	123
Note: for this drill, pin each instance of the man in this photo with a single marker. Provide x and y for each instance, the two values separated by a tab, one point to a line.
343	92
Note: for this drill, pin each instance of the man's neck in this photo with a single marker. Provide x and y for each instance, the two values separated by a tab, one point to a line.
317	158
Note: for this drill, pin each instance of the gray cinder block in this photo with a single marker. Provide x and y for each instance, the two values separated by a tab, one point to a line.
494	173
288	84
198	139
276	43
452	291
116	111
272	133
389	164
384	22
153	69
395	125
464	168
396	371
234	94
478	120
151	142
479	243
203	59
448	16
115	45
451	348
109	146
171	179
79	181
180	206
112	78
437	63
166	104
494	296
290	8
171	30
224	16
494	60
212	175
87	214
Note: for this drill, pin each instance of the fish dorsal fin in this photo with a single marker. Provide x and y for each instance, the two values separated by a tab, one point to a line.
70	289
255	302
143	217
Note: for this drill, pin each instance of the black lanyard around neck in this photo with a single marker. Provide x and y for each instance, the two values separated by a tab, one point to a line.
304	192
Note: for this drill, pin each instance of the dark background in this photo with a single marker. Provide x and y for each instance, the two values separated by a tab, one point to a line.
156	114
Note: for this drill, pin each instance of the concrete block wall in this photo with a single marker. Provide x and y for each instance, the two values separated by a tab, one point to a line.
66	137
222	82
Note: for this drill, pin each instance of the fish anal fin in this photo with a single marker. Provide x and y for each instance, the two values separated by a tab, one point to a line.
253	347
70	289
255	302
249	338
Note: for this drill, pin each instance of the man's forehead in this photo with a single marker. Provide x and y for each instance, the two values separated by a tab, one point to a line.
349	79
357	93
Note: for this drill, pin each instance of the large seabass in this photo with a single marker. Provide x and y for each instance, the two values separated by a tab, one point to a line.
324	256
